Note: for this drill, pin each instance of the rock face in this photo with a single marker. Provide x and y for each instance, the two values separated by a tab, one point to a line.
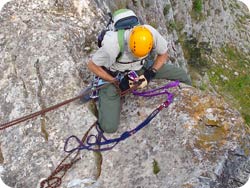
199	141
192	141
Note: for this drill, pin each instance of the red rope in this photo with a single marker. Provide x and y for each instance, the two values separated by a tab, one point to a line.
44	111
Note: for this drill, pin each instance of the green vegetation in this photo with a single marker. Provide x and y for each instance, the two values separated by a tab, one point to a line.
196	12
154	23
120	4
156	168
242	22
229	76
224	5
234	5
166	9
171	26
1	156
194	52
197	6
179	26
203	86
234	66
147	5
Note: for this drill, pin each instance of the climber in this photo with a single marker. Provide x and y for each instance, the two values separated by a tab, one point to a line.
140	44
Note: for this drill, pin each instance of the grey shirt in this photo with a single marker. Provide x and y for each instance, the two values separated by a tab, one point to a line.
107	54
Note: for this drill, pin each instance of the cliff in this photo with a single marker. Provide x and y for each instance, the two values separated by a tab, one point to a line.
200	140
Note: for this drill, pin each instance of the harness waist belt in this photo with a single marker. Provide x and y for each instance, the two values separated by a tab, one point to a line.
135	61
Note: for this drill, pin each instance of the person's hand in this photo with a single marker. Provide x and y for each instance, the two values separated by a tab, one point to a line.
125	83
143	81
148	75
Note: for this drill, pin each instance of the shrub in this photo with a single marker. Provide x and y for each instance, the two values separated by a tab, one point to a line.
197	6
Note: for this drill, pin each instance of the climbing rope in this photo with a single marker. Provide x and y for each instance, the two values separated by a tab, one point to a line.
55	179
107	144
92	142
54	107
99	142
44	111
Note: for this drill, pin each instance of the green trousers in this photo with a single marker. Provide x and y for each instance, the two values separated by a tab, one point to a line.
109	102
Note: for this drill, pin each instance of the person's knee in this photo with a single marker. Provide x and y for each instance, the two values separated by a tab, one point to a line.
184	77
109	124
110	128
187	80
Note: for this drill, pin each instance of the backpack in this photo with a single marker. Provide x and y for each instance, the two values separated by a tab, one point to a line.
121	20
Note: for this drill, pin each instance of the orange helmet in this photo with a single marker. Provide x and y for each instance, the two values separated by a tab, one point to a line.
140	41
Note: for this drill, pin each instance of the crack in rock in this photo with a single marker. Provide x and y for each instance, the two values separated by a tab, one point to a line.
41	101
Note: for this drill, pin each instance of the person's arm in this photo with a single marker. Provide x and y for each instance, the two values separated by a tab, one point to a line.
99	71
159	61
160	47
151	72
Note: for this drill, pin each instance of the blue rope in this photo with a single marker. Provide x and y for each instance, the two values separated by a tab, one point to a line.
100	140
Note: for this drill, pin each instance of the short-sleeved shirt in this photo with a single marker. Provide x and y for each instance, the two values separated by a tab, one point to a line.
107	55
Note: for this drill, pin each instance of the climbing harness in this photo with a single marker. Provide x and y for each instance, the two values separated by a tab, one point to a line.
107	144
97	82
92	89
